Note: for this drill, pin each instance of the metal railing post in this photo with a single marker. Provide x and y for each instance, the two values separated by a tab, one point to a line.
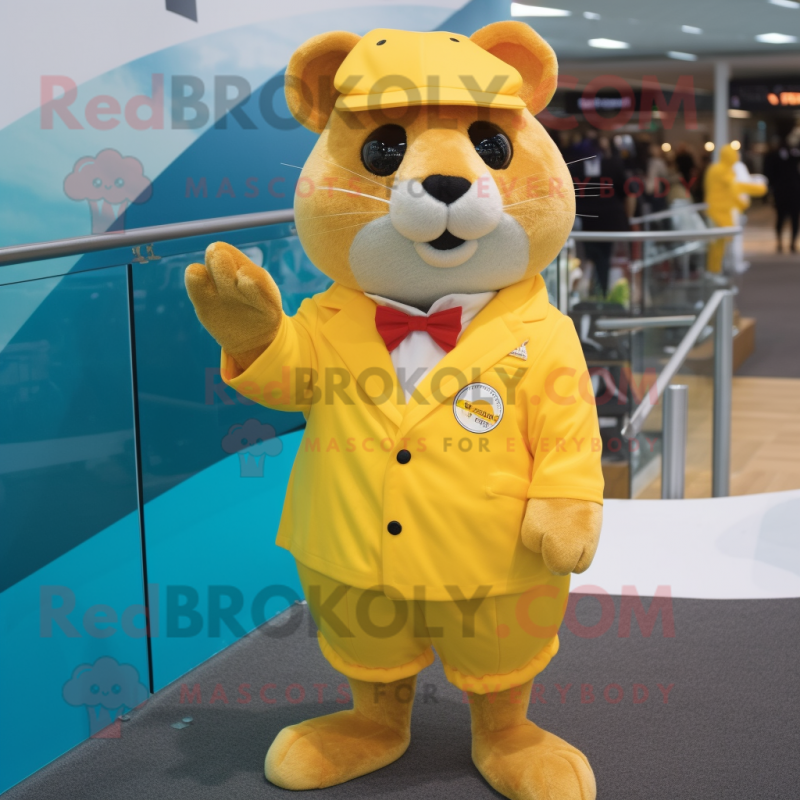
563	280
673	463
723	398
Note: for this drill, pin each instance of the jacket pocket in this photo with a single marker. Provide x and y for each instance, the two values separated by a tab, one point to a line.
503	484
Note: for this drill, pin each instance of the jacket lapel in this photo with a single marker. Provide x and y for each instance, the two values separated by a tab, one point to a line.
352	333
491	336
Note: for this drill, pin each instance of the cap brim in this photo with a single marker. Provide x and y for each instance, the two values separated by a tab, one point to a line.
427	96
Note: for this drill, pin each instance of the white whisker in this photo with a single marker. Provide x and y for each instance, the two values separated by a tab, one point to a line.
579	191
530	184
545	197
333	230
360	194
594	216
580	159
546	177
342	214
363	177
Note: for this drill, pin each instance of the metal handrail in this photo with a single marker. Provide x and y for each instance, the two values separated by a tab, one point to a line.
41	251
721	304
633	323
669	213
663	255
723	356
655	236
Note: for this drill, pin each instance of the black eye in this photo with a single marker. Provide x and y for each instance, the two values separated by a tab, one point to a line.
384	149
491	144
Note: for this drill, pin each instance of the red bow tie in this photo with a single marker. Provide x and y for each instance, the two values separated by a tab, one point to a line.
443	326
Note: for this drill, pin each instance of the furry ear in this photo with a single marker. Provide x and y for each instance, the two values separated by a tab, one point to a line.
309	77
519	45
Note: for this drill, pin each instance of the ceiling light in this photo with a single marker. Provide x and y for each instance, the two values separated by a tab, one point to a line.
591	15
608	44
691	29
776	38
736	144
738	113
666	147
521	10
785	3
682	56
709	146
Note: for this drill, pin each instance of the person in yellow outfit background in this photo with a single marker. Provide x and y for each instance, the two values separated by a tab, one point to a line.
724	195
449	478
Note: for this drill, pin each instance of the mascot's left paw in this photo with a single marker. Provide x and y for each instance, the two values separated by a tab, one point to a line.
565	532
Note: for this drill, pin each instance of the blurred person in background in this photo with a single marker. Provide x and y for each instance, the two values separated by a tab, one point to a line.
600	200
743	176
682	177
656	180
782	168
726	197
684	163
698	188
677	193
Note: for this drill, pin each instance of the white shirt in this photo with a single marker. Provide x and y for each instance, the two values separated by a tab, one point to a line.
418	354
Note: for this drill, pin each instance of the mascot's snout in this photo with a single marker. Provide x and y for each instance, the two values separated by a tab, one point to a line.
446	215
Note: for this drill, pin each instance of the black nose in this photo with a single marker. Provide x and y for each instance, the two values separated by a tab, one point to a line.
446	188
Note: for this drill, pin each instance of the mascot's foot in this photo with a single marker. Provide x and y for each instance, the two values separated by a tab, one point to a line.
339	747
518	758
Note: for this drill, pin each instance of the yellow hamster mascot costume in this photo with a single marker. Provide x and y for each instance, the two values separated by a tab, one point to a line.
724	195
449	479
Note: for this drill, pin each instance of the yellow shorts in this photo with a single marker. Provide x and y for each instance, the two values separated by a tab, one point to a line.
487	644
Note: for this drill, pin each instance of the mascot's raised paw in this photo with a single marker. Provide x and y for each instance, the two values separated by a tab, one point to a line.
237	302
565	532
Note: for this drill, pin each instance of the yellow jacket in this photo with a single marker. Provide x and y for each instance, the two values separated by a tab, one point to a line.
485	431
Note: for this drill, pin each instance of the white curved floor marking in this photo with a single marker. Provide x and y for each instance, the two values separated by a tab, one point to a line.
733	547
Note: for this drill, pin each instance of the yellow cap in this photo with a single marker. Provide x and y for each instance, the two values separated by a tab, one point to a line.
389	69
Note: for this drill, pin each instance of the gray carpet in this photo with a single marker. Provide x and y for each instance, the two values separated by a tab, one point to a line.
730	730
770	292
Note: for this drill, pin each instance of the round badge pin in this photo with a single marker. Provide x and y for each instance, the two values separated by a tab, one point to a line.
478	408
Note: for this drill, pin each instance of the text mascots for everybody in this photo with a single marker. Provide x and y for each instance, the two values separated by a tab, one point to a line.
450	479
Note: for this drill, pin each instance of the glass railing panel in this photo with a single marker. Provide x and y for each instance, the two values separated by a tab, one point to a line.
68	479
652	349
671	278
70	545
646	279
213	494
